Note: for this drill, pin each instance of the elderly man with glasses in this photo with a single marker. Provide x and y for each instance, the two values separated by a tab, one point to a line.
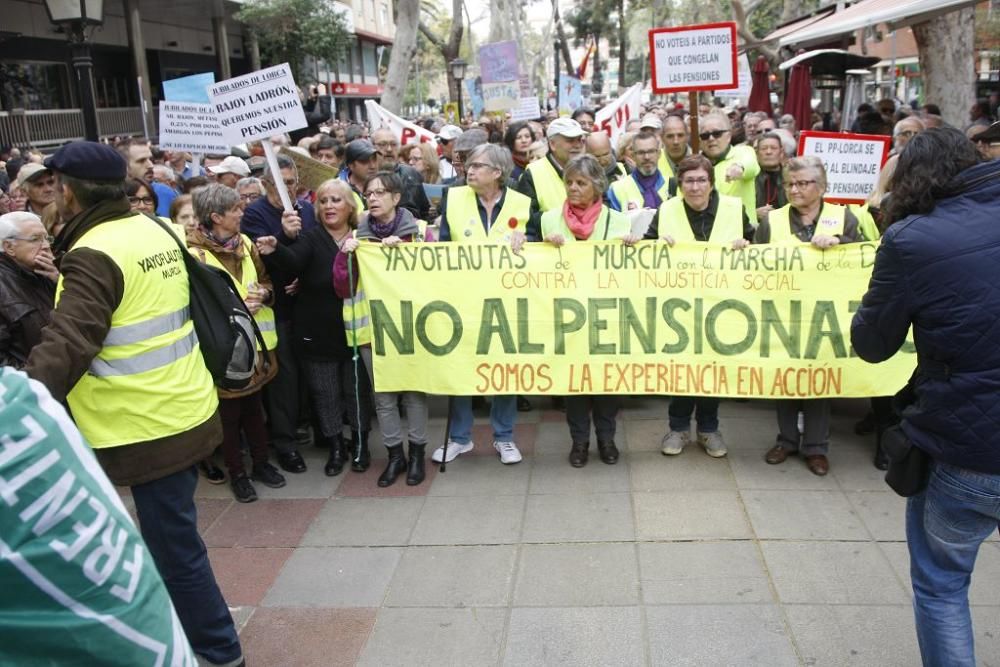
736	167
27	285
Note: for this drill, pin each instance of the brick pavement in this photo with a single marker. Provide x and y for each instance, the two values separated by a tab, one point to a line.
655	561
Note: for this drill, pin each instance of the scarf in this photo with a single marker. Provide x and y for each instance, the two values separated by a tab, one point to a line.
520	160
581	221
382	230
233	244
647	185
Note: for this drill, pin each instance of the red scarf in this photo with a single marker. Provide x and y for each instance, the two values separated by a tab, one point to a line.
581	221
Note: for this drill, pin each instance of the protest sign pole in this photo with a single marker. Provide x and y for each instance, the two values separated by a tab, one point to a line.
693	104
279	182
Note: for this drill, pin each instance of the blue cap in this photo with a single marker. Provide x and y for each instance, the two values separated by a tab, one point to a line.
89	161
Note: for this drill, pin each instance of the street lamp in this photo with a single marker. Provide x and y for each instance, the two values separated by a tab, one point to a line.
457	67
75	16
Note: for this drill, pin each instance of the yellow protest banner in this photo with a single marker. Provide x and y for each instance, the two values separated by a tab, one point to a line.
768	321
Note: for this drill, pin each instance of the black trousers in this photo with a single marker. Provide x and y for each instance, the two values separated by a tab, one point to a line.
604	409
282	394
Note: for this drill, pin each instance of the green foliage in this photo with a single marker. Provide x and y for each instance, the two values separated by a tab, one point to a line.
291	30
987	29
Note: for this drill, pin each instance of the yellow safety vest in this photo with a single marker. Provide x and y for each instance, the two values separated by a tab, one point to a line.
830	223
265	316
745	189
610	225
867	227
629	196
467	227
149	380
727	227
549	187
664	165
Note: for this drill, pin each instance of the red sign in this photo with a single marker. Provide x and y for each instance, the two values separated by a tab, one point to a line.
355	89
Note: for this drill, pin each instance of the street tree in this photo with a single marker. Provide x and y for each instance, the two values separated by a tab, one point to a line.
404	49
947	62
292	30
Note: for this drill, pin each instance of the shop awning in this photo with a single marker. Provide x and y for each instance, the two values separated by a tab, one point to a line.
795	26
895	13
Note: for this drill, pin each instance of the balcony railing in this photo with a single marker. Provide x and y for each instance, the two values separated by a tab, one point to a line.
50	128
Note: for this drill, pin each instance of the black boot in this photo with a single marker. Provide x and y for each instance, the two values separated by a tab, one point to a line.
361	458
881	460
395	466
415	472
338	457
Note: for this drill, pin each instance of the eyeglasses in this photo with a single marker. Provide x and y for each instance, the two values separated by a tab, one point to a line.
34	240
478	165
250	197
650	152
715	134
377	192
145	201
799	185
386	144
694	181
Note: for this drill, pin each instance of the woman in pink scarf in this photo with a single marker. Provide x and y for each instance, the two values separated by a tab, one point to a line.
584	217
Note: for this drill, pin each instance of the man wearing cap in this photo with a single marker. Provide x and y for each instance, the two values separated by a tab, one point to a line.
464	145
645	187
40	186
445	137
413	198
598	144
988	142
122	351
361	162
230	170
140	165
736	167
542	181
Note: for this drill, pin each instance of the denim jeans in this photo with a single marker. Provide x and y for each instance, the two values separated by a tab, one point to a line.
682	408
169	524
945	524
503	413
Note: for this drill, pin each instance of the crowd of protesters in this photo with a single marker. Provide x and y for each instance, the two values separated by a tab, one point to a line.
552	180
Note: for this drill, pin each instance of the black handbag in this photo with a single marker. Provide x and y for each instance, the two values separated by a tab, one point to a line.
909	466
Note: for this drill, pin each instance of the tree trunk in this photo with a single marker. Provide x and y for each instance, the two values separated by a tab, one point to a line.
947	63
597	80
404	49
561	42
622	46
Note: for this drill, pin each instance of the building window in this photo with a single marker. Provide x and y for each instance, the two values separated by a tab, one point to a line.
34	85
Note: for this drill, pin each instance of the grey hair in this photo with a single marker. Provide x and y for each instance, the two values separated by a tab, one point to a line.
249	181
721	117
496	155
807	162
212	198
588	167
284	162
163	171
10	223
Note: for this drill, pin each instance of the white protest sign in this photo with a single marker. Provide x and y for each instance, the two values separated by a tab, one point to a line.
258	105
191	127
527	109
694	57
501	96
745	76
852	161
612	118
405	131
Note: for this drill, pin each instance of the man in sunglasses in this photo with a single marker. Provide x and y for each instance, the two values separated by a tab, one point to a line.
736	167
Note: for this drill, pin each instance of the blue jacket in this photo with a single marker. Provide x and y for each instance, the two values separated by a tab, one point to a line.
940	273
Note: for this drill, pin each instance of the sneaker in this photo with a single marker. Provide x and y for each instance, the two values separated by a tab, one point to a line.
243	489
455	450
268	475
213	473
713	444
508	452
674	442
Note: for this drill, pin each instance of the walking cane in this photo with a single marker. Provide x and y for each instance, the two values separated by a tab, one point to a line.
357	378
447	436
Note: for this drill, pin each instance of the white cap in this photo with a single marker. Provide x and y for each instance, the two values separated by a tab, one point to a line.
651	120
566	127
231	165
449	132
29	172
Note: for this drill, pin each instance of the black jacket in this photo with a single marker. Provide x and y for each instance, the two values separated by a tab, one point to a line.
26	301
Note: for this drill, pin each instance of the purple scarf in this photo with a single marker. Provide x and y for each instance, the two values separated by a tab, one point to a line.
385	229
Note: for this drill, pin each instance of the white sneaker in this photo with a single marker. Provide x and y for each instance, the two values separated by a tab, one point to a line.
508	452
674	442
455	450
713	444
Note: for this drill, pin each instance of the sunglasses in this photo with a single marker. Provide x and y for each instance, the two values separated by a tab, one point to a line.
715	134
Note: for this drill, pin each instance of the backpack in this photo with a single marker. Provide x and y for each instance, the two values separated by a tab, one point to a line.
227	332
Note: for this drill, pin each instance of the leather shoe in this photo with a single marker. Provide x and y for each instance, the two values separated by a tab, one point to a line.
578	454
291	461
608	452
817	464
778	454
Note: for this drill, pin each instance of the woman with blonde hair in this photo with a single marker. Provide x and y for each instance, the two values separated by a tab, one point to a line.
424	159
318	321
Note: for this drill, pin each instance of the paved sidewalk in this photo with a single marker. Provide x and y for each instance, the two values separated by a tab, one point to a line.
685	560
